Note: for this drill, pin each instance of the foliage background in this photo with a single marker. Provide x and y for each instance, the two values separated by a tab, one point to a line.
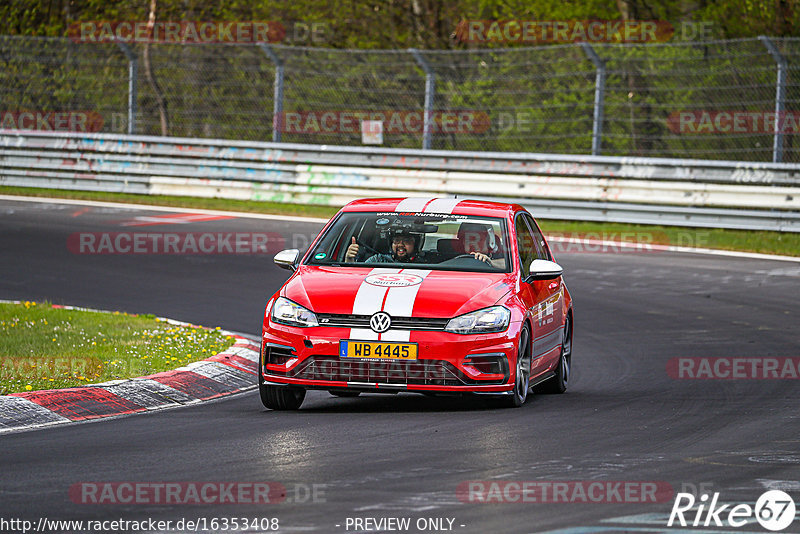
539	98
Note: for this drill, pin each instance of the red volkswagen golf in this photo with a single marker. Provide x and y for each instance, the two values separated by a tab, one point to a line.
419	295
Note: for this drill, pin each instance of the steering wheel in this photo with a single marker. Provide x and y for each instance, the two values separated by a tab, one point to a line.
464	256
369	248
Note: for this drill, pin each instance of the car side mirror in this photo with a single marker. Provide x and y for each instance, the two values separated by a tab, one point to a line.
544	270
287	259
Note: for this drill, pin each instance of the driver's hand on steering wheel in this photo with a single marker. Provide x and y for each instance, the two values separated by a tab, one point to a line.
481	257
352	251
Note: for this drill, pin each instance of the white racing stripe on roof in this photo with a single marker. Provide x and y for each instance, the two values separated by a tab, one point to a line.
442	205
400	303
413	204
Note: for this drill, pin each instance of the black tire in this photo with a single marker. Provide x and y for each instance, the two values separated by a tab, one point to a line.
558	384
278	397
346	393
522	374
282	397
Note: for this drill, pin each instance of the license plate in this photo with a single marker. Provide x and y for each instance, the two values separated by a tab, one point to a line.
377	349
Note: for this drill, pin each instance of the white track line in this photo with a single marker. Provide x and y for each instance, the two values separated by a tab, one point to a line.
98	203
263	216
646	247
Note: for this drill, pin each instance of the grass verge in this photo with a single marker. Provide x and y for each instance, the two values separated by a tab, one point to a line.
783	243
42	347
249	206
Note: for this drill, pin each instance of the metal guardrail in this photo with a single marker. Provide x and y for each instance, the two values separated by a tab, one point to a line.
706	193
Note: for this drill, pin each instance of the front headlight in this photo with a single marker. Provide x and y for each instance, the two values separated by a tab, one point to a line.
494	319
284	311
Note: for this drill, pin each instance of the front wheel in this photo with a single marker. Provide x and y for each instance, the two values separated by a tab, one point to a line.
281	397
558	384
278	397
522	374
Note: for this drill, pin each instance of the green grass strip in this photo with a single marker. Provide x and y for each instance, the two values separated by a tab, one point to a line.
42	347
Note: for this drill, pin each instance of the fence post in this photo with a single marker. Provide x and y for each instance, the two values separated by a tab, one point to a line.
430	88
780	97
599	97
133	75
277	104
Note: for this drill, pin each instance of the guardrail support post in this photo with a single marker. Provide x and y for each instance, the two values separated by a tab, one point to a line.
133	76
599	97
277	100
430	88
780	98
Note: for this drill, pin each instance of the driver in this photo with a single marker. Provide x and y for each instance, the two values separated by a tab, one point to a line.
404	250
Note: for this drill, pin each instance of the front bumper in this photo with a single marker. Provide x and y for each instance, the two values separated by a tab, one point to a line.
309	357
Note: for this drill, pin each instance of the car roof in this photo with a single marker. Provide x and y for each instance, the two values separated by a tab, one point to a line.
433	205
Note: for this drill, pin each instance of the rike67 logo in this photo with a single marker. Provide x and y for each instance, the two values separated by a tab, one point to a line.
774	510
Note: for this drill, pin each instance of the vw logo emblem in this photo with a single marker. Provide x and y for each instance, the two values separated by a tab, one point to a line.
380	322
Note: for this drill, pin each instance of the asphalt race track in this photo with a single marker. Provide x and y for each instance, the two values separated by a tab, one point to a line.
405	456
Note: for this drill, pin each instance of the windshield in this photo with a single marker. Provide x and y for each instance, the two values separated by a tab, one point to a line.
423	240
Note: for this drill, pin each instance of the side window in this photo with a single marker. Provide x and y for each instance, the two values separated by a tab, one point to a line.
538	238
526	245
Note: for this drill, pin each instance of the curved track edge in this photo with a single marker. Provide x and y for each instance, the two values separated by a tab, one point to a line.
226	373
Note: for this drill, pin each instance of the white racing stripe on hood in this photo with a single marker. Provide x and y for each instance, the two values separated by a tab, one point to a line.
400	303
442	205
369	299
413	204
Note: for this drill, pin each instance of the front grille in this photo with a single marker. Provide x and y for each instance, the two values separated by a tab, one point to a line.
400	323
420	372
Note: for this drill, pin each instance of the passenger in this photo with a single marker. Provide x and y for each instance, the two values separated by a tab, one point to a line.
479	241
